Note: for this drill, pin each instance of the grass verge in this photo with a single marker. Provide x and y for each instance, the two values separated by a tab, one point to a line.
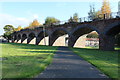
106	61
25	60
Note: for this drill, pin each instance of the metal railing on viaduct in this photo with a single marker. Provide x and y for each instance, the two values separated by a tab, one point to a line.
106	25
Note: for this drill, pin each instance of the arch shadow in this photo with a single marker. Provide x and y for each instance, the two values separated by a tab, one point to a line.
24	36
112	29
79	31
30	37
18	37
56	33
41	35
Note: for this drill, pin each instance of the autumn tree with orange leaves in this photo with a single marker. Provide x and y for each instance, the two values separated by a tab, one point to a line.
18	28
105	9
104	12
34	24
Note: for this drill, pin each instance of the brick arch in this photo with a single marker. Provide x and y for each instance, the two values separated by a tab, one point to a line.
41	33
56	33
15	37
107	39
112	29
59	29
79	31
31	36
40	36
93	28
18	37
23	37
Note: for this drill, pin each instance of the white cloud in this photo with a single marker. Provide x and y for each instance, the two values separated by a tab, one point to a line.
15	21
39	17
12	20
35	16
6	19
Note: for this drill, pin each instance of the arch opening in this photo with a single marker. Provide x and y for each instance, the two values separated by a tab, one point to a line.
114	34
85	37
59	38
19	38
15	38
42	38
24	38
89	40
31	38
113	31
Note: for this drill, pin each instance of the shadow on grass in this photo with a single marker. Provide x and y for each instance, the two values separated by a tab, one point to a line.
32	46
49	52
92	49
43	47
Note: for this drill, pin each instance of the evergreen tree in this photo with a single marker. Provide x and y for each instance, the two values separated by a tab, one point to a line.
70	20
92	13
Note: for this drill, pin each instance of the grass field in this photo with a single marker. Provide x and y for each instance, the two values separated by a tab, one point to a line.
116	48
25	60
106	61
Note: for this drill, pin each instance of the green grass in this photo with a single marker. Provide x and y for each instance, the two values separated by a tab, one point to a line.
106	61
116	48
25	60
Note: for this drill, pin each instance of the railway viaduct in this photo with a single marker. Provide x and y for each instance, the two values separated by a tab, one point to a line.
107	29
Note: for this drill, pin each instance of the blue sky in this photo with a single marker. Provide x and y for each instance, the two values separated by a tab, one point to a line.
22	13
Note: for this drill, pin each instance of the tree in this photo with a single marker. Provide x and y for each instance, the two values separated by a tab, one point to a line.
92	35
9	29
51	20
75	17
92	13
34	24
18	28
98	15
105	9
26	27
70	20
95	15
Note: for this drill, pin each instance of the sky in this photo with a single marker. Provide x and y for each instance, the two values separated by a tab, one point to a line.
23	13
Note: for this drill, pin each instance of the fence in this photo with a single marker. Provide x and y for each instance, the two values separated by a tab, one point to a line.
92	18
84	19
